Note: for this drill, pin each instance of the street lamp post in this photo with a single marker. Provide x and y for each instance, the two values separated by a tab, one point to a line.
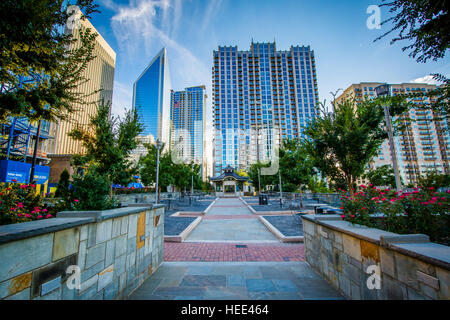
192	179
158	146
384	90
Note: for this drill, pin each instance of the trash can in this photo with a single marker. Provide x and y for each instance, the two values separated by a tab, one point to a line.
263	199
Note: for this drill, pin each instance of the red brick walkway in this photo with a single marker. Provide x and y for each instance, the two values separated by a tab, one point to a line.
202	251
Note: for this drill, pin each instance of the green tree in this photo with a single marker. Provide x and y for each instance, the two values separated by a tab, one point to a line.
40	68
264	180
425	23
341	144
109	145
433	179
63	185
381	176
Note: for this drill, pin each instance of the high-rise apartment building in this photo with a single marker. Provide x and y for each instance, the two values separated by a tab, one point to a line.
187	118
423	145
100	75
151	98
259	97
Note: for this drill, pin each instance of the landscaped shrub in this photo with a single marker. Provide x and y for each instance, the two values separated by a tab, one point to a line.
90	192
420	211
21	203
63	188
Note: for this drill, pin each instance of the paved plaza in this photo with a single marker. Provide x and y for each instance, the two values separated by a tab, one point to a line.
235	281
231	255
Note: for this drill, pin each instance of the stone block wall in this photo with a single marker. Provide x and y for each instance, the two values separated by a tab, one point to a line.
115	251
371	264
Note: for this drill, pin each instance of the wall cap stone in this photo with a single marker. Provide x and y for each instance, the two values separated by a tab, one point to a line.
101	215
404	238
18	231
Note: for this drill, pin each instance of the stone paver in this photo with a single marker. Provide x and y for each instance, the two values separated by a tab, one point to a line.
235	281
231	255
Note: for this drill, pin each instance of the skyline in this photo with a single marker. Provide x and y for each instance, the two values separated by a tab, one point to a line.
190	42
191	30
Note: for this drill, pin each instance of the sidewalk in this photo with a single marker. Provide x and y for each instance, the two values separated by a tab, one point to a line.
231	255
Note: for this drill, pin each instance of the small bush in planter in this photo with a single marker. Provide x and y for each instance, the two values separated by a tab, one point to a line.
90	192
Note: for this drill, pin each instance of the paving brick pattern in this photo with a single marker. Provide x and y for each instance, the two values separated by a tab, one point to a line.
203	251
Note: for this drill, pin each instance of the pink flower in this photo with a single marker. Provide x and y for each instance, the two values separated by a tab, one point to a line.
393	200
33	212
384	199
343	216
364	208
363	186
13	209
424	203
20	205
352	215
39	217
76	200
33	185
382	193
20	215
430	188
14	180
44	210
28	215
48	216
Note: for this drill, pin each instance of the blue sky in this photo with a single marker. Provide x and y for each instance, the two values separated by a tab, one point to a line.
192	29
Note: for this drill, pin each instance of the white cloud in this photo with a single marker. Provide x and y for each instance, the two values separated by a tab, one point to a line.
427	79
143	27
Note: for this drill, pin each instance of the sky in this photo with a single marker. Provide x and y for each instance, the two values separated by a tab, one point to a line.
190	30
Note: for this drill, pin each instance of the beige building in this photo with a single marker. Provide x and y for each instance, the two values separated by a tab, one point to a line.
100	73
424	143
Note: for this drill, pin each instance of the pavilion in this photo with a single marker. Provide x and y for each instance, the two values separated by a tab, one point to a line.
229	183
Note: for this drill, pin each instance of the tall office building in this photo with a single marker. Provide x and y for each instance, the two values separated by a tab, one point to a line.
151	98
424	143
260	96
100	75
187	118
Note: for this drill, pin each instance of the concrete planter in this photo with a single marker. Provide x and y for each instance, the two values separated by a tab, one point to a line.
81	255
372	264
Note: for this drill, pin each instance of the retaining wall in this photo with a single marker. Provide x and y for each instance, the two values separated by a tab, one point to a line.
115	251
372	264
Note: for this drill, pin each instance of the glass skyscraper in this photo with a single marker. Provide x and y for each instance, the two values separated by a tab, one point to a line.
260	96
151	98
187	118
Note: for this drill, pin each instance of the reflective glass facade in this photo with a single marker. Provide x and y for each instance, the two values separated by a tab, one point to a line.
187	118
260	96
151	98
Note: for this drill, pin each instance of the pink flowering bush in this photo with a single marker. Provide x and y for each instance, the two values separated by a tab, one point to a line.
20	203
420	211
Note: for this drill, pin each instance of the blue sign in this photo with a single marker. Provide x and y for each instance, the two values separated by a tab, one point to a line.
41	174
14	170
